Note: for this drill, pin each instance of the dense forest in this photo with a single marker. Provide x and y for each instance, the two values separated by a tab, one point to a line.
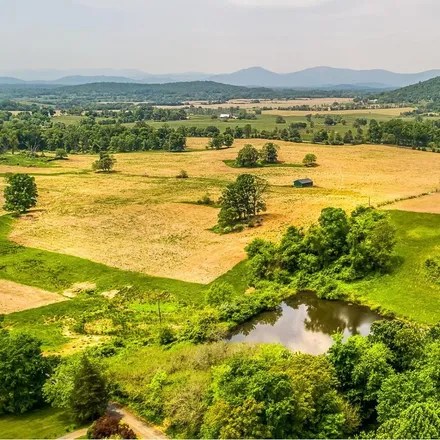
426	94
172	93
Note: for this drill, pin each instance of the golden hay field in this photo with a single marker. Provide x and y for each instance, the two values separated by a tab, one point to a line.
362	113
248	104
16	297
139	218
429	203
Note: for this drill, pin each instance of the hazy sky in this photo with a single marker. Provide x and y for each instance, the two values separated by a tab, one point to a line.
162	36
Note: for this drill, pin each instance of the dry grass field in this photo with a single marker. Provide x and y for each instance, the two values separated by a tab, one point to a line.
393	112
429	203
139	218
16	297
248	104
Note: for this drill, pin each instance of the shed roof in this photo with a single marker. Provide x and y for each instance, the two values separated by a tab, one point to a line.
304	180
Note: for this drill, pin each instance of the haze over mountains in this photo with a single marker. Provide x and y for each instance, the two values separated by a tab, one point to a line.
316	77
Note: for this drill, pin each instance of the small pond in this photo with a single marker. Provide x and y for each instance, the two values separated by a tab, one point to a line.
305	323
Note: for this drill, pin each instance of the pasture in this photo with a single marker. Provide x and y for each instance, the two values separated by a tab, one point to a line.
142	219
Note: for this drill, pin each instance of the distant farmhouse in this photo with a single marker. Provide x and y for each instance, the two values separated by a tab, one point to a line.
303	183
226	116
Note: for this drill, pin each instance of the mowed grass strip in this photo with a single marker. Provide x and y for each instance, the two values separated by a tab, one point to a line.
44	423
407	291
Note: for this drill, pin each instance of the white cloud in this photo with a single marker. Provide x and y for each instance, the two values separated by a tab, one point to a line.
279	3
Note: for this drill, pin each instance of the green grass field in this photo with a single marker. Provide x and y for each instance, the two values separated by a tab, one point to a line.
263	122
39	424
407	291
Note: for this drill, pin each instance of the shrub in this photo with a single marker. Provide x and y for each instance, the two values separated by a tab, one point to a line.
182	175
432	266
110	427
60	153
105	163
219	293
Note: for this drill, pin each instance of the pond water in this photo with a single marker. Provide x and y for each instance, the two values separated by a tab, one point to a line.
305	323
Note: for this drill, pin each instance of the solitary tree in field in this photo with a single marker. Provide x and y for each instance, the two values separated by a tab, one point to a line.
242	200
20	194
280	120
269	153
247	157
309	160
104	163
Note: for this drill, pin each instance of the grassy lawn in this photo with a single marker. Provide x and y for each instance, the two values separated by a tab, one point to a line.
407	291
39	424
23	160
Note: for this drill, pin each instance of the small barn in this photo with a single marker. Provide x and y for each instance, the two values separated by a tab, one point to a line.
225	116
303	183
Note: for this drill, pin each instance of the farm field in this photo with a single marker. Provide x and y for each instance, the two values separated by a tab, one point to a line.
429	203
267	121
143	219
16	297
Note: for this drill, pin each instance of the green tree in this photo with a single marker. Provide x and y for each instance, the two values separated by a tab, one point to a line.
418	421
217	142
309	160
104	163
228	140
269	153
20	193
280	120
247	157
79	386
243	199
176	142
23	370
89	396
219	293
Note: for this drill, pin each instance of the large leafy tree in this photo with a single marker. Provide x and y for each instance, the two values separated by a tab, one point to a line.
247	157
243	199
20	194
276	395
23	370
269	153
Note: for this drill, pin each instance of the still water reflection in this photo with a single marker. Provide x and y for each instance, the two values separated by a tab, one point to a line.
306	323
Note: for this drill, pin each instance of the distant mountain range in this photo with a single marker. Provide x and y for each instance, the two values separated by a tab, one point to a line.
316	77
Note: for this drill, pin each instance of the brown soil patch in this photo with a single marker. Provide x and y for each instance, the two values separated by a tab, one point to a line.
17	297
429	203
146	224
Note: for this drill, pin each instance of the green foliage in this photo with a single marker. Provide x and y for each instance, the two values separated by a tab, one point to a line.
23	370
89	395
274	395
79	386
60	153
105	163
418	421
242	200
247	157
219	293
338	247
20	193
309	160
432	266
269	153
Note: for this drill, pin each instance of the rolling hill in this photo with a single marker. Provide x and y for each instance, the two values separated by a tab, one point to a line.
423	91
316	77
